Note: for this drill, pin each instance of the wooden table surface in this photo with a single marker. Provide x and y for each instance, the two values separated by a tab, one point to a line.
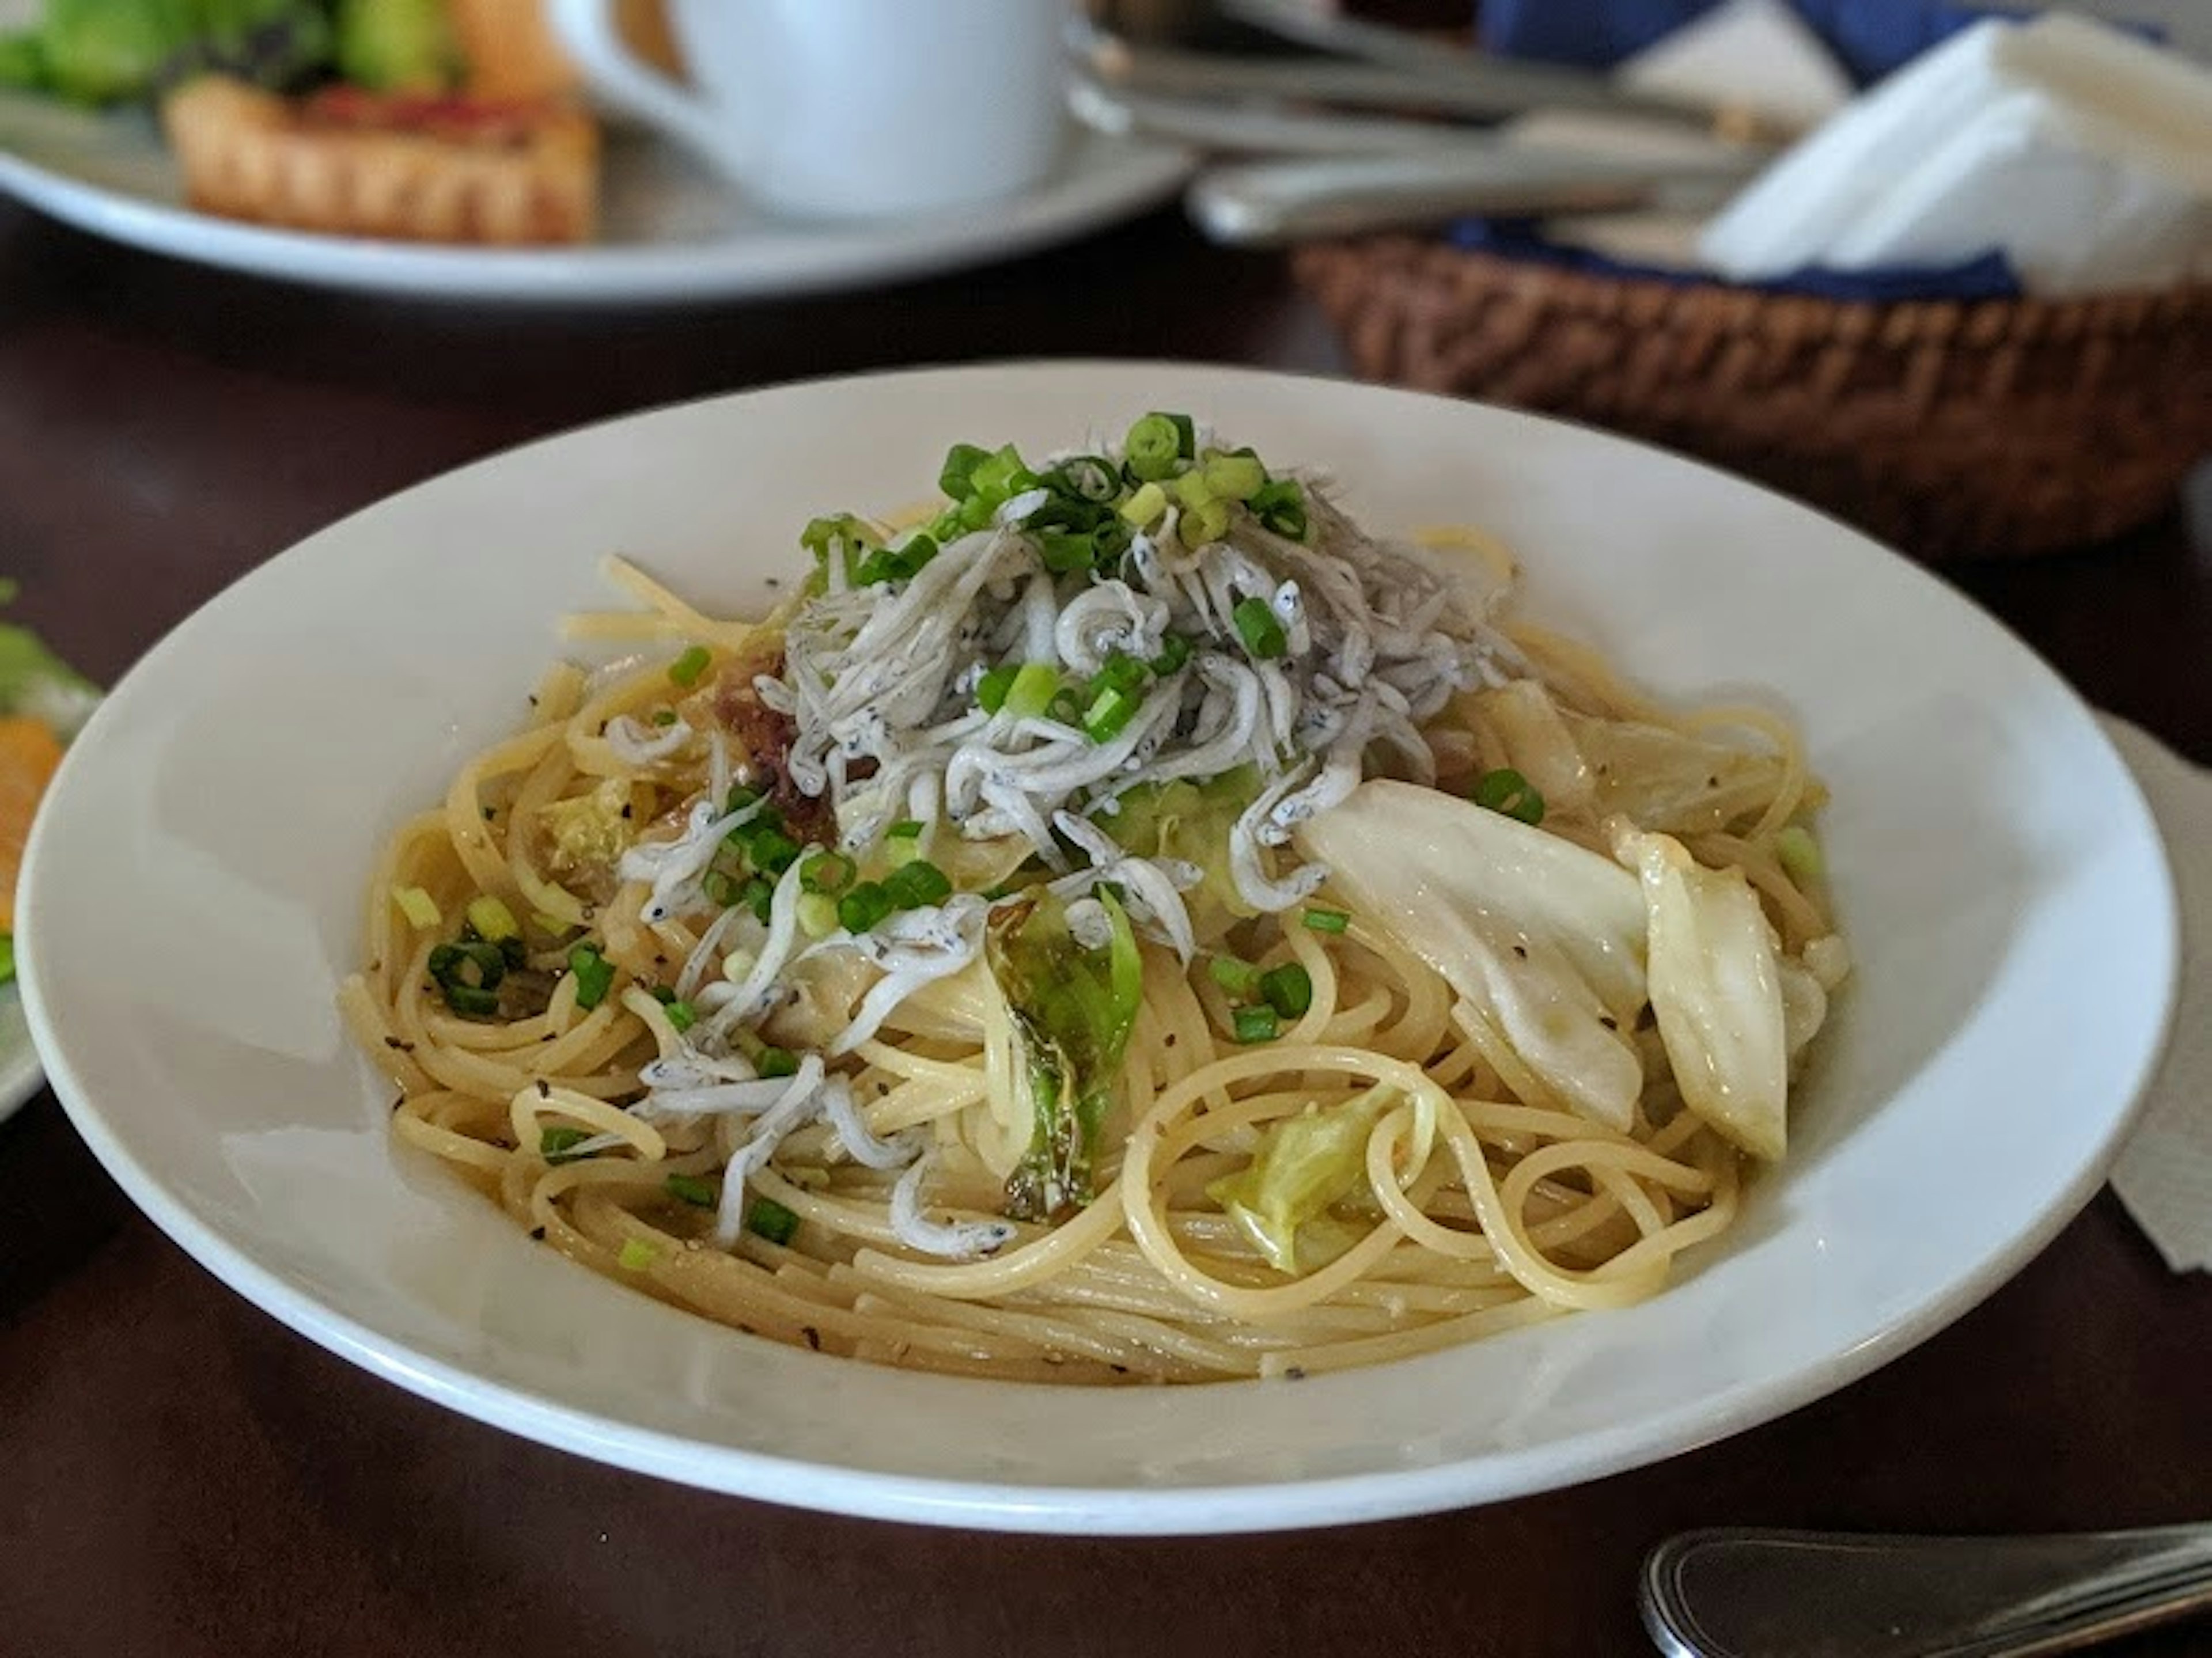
180	1474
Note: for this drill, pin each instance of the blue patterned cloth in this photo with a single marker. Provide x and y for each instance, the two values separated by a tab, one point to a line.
1991	276
1869	38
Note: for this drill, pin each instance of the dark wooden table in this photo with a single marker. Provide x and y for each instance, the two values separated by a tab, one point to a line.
179	1474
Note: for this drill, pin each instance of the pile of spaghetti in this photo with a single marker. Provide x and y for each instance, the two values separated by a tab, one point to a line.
1134	924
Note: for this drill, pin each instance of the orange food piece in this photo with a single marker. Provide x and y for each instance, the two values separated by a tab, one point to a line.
28	754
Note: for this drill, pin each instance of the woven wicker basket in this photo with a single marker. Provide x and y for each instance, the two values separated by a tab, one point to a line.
1950	428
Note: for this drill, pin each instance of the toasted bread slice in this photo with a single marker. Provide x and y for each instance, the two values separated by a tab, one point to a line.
438	168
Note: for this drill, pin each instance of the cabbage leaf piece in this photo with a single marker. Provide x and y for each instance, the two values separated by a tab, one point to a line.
1717	990
1305	1162
1542	937
1073	1007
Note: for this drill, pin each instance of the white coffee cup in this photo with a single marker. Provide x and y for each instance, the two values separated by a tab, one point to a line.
849	108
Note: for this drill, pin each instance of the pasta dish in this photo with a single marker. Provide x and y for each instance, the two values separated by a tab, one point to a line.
1123	921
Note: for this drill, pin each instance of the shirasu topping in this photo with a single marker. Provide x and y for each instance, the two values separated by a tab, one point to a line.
1024	675
1360	645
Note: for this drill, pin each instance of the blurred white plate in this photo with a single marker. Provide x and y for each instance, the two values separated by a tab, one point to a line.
671	232
192	892
20	1076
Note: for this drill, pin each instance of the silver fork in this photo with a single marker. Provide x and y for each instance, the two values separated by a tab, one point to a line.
1747	1592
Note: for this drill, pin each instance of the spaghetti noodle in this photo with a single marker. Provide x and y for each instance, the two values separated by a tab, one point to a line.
1134	926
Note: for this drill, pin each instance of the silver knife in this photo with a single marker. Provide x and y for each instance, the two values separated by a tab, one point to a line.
1270	203
1507	86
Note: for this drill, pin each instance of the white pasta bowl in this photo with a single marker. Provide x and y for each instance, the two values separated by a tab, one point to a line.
192	897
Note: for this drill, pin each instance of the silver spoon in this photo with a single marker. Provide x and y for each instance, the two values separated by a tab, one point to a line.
1746	1592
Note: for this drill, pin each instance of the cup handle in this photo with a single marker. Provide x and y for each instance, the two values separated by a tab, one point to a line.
588	30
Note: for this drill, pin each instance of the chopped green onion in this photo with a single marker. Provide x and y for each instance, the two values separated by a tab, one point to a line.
866	904
1799	853
776	1062
900	564
1327	920
918	884
1238	978
741	797
417	906
1185	432
720	887
830	872
1288	989
772	850
769	1220
558	1144
471	1000
664	716
1145	506
1120	672
636	1256
687	668
594	975
467	974
1001	470
1064	550
1110	712
1065	706
844	533
1203	525
1175	651
1236	477
1086	478
1257	1025
699	1194
1507	790
1256	626
906	829
956	477
1280	507
494	921
1153	447
759	896
990	690
1191	490
817	915
1033	690
682	1015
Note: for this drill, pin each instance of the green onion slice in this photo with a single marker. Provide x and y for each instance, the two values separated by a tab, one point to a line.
1153	447
593	972
1507	790
866	904
699	1194
1288	989
828	872
1257	1025
1237	977
992	689
1256	626
687	668
769	1220
558	1144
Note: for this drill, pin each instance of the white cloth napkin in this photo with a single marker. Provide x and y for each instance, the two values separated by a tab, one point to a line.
2164	1172
1757	55
2083	152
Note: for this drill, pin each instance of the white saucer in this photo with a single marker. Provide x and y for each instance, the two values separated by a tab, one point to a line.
671	231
